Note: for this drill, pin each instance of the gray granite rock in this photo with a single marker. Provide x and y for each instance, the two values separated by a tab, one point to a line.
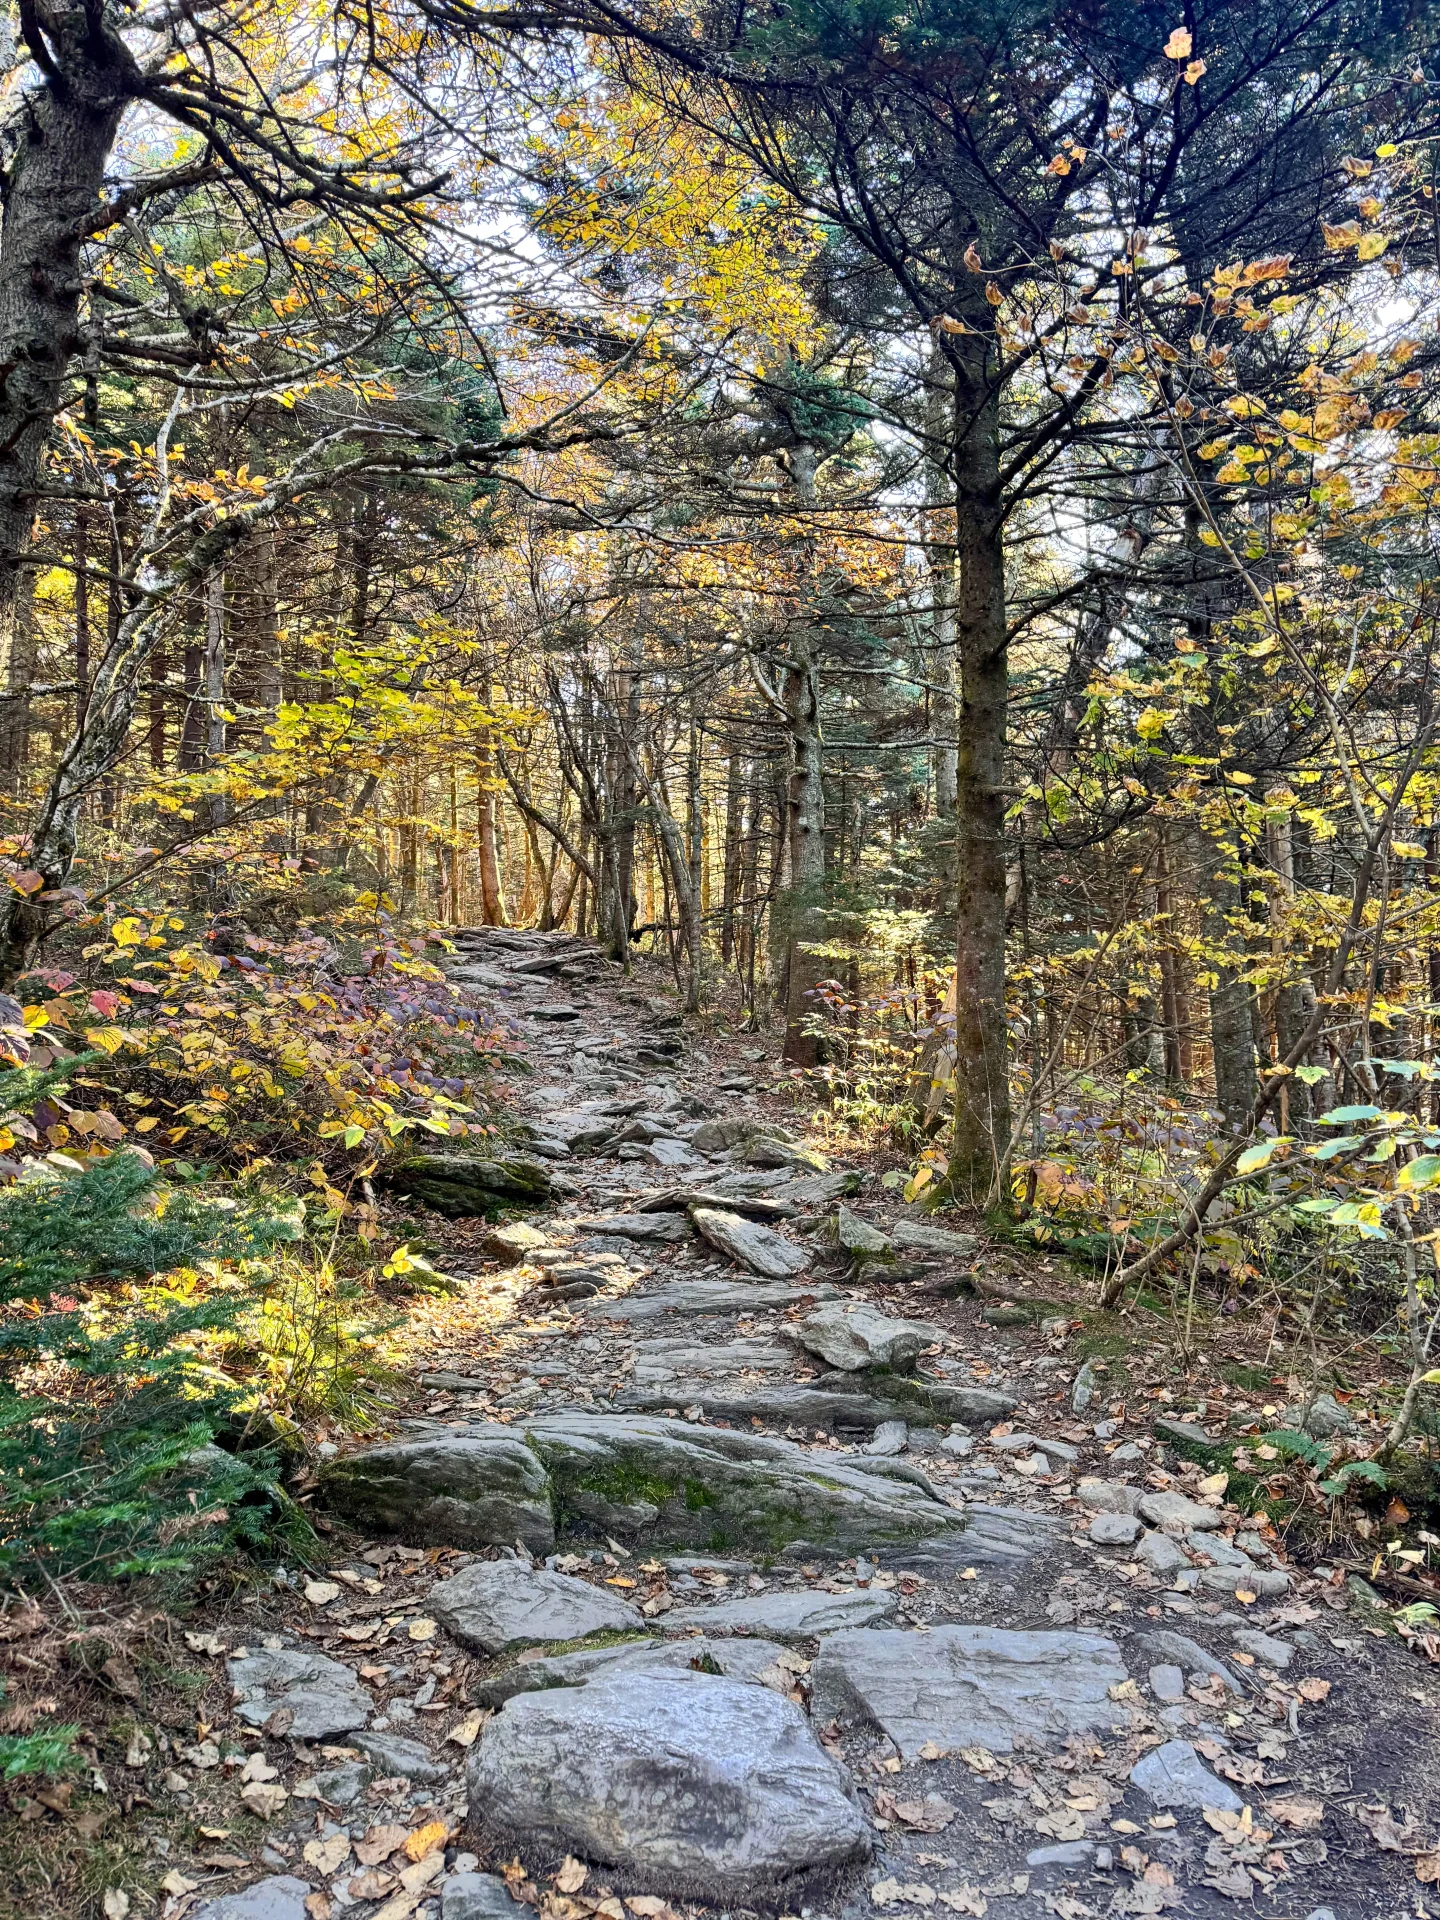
1185	1434
890	1437
1064	1853
856	1336
395	1757
1160	1554
477	1489
1085	1388
958	1444
1175	1776
668	1228
660	1361
704	1786
1322	1418
324	1697
1167	1683
282	1897
1177	1513
478	1896
967	1686
753	1245
737	1659
499	1604
707	1297
1268	1582
787	1614
918	1236
342	1786
461	1185
1178	1649
816	1189
1264	1647
1107	1496
1114	1530
853	1235
673	1484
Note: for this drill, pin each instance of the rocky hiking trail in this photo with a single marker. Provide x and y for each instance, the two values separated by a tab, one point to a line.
736	1554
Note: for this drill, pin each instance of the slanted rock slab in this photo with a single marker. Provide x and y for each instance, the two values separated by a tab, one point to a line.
918	1236
787	1614
693	1785
282	1897
665	1482
1175	1776
755	1246
478	1896
705	1297
324	1696
398	1758
462	1185
500	1604
852	1337
1176	1513
967	1686
479	1489
735	1659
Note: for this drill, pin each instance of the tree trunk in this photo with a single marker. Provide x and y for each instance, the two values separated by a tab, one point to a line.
492	897
65	128
980	1154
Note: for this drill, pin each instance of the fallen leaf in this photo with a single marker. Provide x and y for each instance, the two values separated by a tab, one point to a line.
1386	1832
116	1904
465	1732
572	1875
892	1893
371	1885
329	1855
647	1905
421	1629
264	1798
225	1862
319	1906
321	1592
379	1843
425	1839
1397	1513
1298	1811
139	1750
1314	1689
280	1722
175	1882
931	1752
257	1767
978	1759
967	1899
415	1878
398	1907
1427	1869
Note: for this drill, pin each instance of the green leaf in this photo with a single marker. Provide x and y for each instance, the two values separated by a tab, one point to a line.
1330	1148
1342	1116
1254	1158
1421	1175
1316	1206
1312	1075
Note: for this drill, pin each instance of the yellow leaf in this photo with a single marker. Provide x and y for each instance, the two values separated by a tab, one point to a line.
1372	246
1193	72
1177	47
425	1839
109	1039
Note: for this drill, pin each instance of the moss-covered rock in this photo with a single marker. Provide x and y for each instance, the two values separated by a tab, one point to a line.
463	1185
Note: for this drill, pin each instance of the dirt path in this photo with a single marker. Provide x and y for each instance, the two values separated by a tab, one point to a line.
736	1560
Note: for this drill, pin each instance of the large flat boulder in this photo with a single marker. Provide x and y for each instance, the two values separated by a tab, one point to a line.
852	1337
749	1242
967	1686
476	1489
736	1659
663	1481
462	1185
316	1696
787	1615
706	1297
918	1236
697	1786
498	1605
281	1897
658	1362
